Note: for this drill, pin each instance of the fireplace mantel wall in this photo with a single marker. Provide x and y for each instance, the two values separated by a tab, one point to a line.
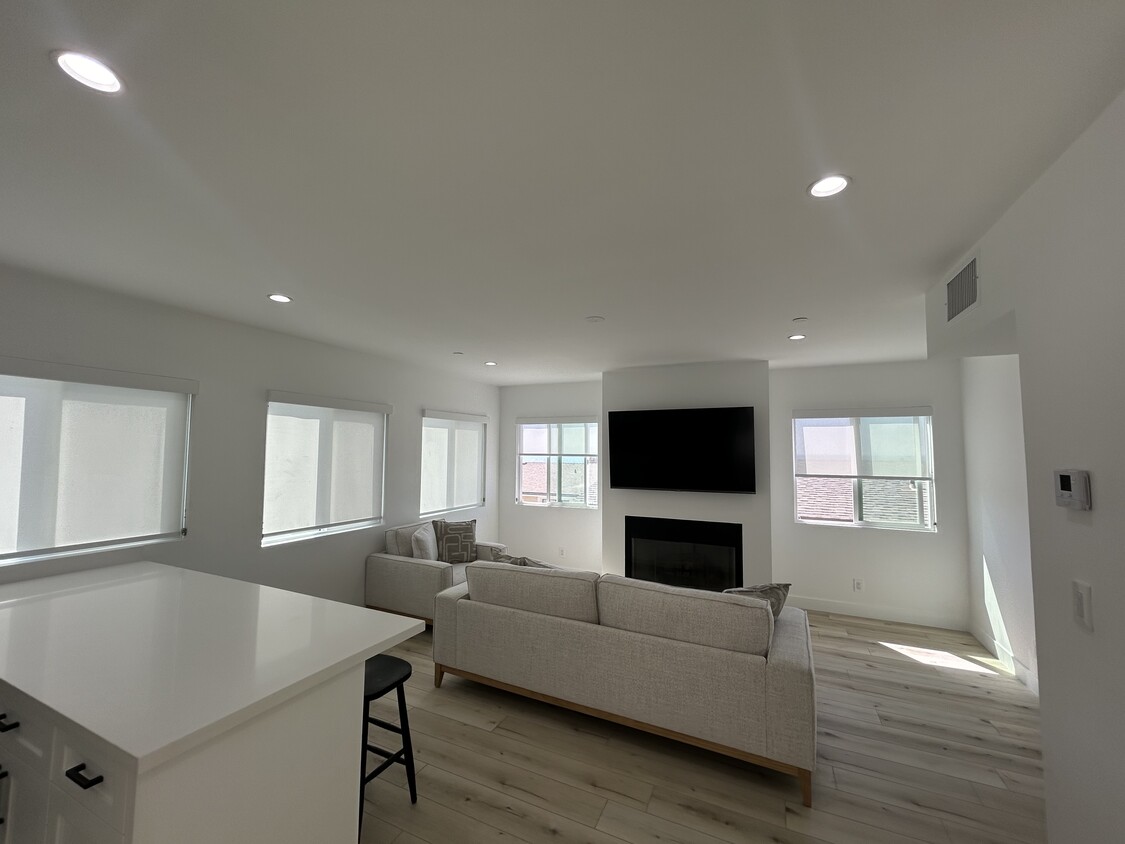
737	383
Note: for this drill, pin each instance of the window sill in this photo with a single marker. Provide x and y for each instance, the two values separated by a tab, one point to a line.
434	513
867	526
81	550
313	533
557	505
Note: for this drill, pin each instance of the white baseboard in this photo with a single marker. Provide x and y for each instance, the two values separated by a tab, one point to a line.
882	613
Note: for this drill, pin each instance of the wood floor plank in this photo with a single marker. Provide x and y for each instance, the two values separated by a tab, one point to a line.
429	820
586	775
516	817
986	738
533	788
910	757
375	831
644	828
971	753
844	818
720	822
1023	784
965	812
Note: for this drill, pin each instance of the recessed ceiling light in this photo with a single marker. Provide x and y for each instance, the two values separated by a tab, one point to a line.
458	353
828	186
89	71
796	336
490	363
280	297
595	318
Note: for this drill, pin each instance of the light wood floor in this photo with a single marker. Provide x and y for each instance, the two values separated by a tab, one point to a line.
907	752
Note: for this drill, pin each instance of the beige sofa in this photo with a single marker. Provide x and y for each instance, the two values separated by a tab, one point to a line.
397	581
709	669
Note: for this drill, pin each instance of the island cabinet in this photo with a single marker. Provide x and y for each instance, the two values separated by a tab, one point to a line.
190	708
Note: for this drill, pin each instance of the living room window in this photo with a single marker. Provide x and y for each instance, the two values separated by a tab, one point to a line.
452	461
558	462
323	466
865	468
89	458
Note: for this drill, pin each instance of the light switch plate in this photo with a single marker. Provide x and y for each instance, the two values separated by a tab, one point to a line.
1082	598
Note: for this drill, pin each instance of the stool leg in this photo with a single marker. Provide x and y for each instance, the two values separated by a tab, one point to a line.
406	745
363	766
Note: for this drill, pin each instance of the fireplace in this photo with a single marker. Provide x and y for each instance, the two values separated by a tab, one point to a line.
682	552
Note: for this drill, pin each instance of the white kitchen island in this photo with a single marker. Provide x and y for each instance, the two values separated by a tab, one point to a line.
145	704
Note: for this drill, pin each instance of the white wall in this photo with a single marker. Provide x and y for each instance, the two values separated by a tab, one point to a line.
737	383
541	531
1057	258
51	320
1001	597
910	576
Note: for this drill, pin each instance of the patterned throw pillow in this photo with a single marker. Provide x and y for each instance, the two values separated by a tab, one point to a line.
775	593
527	562
456	541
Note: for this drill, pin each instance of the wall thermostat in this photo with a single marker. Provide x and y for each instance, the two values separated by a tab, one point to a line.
1072	489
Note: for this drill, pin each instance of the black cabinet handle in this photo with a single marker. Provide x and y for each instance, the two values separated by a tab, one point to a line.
5	727
75	776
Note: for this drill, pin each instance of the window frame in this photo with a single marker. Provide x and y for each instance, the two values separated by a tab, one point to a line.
557	456
856	417
315	406
452	420
84	384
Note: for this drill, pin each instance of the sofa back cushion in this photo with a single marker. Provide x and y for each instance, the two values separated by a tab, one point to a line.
398	540
730	622
560	592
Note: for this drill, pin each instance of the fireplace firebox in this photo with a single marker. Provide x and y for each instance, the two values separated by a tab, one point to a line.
684	552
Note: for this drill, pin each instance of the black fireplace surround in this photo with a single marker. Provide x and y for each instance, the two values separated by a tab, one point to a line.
684	552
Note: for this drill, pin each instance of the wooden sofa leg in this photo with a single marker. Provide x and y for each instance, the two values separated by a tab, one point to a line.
439	672
806	786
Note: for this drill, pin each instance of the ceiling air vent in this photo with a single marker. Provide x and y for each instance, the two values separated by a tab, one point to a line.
961	292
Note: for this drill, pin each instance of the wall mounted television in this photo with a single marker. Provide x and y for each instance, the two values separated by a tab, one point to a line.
706	449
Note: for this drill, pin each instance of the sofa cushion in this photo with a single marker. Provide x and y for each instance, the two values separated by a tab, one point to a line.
398	540
559	592
730	622
423	543
458	572
456	541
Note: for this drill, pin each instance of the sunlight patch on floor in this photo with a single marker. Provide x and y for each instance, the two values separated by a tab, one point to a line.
941	659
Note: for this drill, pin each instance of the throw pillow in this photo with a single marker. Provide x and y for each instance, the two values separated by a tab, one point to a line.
527	562
456	541
424	542
775	593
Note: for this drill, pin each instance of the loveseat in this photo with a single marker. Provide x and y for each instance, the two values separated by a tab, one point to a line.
710	669
398	581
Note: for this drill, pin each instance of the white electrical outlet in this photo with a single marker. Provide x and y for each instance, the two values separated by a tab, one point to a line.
562	551
857	584
1082	598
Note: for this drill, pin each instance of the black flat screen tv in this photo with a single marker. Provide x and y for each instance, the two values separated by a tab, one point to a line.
707	449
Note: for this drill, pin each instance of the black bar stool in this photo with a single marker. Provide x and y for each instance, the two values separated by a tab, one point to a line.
381	674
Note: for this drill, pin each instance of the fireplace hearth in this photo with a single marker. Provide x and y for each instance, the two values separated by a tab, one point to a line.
684	552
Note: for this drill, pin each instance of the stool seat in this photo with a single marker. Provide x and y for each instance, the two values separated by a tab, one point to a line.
382	673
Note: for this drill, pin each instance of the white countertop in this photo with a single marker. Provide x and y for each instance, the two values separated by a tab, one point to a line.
156	659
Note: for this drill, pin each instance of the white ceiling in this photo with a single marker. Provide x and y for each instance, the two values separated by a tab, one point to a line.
433	176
